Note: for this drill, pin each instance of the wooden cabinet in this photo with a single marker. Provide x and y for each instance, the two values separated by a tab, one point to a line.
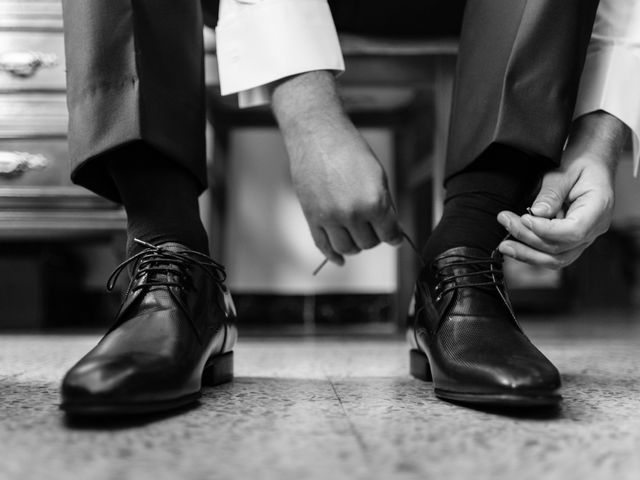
46	222
37	199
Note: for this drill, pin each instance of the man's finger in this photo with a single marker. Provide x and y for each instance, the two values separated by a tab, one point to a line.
565	230
364	236
583	222
387	228
517	229
341	240
553	193
321	240
524	253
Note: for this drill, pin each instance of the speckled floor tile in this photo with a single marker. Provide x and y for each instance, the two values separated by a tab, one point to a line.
331	408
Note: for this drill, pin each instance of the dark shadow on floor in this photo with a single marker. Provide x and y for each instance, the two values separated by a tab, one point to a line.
27	403
122	422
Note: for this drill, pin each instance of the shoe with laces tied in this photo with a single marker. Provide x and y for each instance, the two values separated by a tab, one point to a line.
466	339
174	333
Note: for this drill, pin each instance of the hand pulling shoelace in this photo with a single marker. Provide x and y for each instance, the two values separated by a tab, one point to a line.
166	263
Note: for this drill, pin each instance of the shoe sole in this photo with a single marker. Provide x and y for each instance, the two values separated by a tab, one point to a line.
420	369
217	370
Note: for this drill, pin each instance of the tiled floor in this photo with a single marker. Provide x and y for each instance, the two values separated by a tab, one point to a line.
334	408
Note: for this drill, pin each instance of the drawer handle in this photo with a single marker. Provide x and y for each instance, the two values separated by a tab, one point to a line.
15	164
26	64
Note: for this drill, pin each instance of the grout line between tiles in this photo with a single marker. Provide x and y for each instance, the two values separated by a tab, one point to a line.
352	427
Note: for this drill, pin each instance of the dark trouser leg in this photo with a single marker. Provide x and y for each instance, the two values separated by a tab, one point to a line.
519	66
517	77
136	105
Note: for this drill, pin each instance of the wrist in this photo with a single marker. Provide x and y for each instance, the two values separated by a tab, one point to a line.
597	136
304	100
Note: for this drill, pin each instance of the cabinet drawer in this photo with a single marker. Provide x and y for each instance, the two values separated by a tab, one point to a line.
32	61
35	15
34	163
33	115
34	175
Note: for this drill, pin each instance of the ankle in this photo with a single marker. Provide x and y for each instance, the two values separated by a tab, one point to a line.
160	197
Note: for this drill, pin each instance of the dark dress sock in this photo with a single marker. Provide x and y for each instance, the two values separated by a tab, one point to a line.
160	198
503	178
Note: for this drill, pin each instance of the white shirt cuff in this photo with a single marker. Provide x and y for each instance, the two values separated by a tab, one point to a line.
265	41
610	83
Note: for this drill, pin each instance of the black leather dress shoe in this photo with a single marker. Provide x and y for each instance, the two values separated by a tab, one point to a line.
466	338
174	333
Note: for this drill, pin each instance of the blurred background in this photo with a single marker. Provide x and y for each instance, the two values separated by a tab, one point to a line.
59	242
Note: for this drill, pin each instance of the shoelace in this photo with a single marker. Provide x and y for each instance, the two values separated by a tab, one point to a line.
494	278
487	277
164	267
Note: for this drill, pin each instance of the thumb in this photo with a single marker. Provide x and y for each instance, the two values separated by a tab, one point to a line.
553	192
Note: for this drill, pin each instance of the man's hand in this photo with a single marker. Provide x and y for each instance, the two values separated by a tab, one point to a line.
575	203
340	183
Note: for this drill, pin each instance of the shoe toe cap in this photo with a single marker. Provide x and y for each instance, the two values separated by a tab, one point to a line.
98	379
526	373
495	373
119	379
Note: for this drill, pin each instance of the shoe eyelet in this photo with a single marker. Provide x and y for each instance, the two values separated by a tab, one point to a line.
439	297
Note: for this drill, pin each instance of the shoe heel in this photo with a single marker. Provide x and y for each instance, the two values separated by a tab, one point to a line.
218	370
419	366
